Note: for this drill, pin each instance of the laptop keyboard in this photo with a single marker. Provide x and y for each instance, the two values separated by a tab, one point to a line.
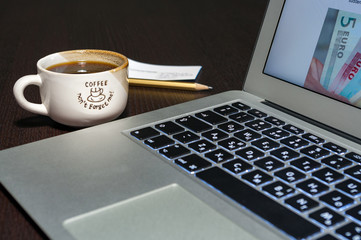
276	170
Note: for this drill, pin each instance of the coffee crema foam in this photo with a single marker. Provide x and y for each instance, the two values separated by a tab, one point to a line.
81	67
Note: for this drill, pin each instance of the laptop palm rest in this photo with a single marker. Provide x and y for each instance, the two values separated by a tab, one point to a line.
166	213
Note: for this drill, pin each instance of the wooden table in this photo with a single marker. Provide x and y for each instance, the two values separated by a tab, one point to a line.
218	35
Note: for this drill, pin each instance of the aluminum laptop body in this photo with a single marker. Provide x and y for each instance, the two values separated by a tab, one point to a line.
113	181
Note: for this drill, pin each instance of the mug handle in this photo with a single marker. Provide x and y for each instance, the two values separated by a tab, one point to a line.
18	91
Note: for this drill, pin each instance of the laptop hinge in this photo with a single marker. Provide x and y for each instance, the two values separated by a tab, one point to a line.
313	122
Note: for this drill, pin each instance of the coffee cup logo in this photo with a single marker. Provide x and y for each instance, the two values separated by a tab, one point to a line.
97	98
96	95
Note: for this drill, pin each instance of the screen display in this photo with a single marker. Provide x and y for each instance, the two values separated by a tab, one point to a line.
318	46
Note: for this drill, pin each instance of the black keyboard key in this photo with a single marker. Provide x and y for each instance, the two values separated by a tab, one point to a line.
159	141
275	121
354	172
192	163
144	133
219	155
327	217
350	186
294	142
301	202
312	186
336	161
269	164
293	129
230	127
257	177
225	110
315	151
336	199
354	156
237	166
258	125
306	164
247	135
211	117
174	151
276	133
257	113
240	106
328	175
169	127
232	144
202	146
265	144
327	237
215	135
290	175
313	138
278	189
334	148
351	231
194	124
250	153
285	154
186	137
258	203
355	212
241	117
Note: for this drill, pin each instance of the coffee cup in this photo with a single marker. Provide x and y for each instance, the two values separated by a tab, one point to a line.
78	88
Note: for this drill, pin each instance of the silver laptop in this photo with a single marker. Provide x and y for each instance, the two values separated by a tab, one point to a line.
279	160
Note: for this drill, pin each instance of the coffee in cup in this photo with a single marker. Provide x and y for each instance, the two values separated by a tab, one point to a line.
82	67
79	87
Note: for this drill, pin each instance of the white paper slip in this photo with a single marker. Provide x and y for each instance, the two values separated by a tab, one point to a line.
141	70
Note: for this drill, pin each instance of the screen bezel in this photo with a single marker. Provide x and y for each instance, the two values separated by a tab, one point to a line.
318	107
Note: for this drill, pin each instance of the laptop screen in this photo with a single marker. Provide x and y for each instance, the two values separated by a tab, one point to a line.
323	51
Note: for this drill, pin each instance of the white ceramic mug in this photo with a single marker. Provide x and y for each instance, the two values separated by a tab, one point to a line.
78	100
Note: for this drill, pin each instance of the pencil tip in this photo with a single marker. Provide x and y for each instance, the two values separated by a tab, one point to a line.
210	88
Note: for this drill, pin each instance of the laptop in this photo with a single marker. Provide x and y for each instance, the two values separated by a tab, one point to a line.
278	160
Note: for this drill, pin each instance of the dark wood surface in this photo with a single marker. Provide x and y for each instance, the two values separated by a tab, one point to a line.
218	35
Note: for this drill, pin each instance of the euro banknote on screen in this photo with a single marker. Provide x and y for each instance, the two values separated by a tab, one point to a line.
352	79
348	73
343	47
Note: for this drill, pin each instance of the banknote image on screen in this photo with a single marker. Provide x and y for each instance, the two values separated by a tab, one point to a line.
336	63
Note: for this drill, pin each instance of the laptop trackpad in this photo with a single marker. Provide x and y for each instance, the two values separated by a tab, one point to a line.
167	213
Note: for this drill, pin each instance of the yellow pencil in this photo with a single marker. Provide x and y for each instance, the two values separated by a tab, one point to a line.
192	86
